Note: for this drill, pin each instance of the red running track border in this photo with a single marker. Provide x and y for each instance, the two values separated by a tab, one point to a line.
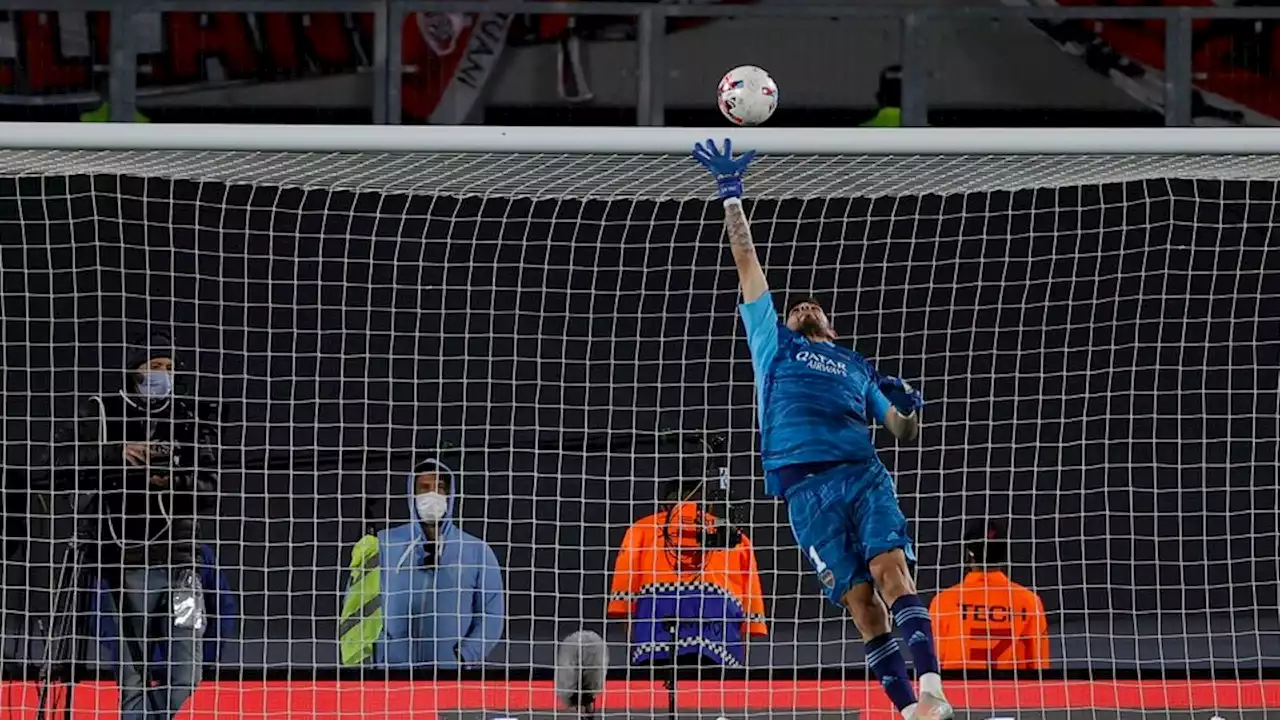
369	700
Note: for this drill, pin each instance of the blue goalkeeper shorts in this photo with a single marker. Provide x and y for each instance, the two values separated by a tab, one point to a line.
842	516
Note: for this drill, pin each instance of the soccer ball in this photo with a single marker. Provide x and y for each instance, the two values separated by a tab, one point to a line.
747	95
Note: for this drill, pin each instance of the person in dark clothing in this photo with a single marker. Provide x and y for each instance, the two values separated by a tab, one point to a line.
888	99
149	455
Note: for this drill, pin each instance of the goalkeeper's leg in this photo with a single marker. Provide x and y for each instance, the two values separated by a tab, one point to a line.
825	530
893	579
886	543
884	655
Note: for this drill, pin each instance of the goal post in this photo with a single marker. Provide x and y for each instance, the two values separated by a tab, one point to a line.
641	140
608	162
1091	314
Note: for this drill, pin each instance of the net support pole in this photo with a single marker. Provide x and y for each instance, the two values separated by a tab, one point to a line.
396	15
650	37
381	75
1178	86
915	70
122	80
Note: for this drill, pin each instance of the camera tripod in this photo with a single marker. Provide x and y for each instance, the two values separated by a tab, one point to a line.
58	660
667	670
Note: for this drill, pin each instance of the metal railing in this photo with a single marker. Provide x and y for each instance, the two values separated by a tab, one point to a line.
390	15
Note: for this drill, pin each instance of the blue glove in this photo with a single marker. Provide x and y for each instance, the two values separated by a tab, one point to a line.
905	398
727	171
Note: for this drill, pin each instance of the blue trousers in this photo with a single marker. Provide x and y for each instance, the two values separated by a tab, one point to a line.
842	517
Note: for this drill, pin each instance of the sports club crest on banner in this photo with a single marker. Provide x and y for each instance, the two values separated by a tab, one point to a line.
449	57
828	580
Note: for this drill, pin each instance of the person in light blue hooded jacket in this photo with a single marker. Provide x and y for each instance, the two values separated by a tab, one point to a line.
425	592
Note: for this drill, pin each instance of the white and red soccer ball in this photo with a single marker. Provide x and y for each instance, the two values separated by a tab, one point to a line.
747	95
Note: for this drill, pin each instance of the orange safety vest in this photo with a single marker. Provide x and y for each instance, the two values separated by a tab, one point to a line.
989	621
646	565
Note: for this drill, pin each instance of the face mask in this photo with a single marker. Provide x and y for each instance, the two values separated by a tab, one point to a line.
431	506
155	384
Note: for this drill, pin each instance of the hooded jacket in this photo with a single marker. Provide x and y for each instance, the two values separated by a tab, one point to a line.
405	606
139	521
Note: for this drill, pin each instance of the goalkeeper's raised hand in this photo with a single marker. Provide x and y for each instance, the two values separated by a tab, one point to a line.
727	170
904	398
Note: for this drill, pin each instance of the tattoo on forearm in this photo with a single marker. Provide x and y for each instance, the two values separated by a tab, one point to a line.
739	230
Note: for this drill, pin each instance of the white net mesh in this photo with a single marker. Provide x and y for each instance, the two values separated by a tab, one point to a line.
1096	336
651	177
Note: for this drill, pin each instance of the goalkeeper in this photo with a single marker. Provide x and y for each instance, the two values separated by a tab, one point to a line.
817	401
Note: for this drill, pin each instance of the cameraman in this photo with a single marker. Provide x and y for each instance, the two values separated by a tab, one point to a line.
147	457
686	578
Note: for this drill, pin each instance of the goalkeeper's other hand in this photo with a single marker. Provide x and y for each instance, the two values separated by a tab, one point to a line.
727	171
906	399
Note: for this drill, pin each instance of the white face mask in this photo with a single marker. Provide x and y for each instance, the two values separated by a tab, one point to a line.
155	384
431	506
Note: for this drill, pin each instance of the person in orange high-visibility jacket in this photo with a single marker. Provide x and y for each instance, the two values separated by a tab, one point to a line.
989	621
686	580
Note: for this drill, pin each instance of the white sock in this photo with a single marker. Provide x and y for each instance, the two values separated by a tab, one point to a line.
931	683
909	712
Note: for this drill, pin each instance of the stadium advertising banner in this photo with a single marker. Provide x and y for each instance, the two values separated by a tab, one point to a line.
974	700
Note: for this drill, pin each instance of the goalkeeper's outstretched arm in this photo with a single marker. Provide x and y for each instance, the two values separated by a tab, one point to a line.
728	172
750	274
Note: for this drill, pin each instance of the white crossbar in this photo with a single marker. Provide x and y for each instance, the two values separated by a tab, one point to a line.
639	140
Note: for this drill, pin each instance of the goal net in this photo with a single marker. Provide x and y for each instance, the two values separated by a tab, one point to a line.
1096	333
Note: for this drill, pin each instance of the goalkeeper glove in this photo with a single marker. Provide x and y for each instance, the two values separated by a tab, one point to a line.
727	171
906	399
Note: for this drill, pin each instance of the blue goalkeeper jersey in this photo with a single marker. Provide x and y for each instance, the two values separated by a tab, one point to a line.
816	399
